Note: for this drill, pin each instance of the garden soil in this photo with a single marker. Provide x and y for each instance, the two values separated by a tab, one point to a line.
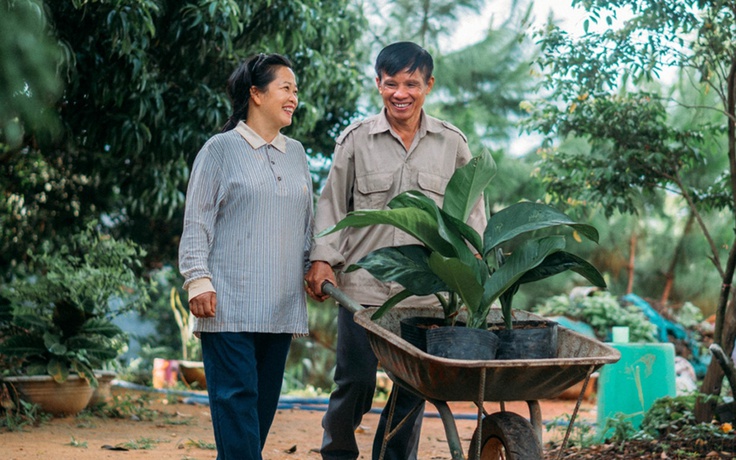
174	429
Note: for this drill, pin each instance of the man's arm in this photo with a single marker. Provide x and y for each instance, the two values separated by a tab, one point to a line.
334	203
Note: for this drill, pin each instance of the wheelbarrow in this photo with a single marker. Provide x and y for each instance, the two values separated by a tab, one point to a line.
501	435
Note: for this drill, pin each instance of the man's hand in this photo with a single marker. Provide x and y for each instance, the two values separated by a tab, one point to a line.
319	272
204	305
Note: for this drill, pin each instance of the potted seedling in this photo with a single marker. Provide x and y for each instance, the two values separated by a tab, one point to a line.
453	262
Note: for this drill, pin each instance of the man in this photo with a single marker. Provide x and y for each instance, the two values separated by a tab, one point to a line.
400	149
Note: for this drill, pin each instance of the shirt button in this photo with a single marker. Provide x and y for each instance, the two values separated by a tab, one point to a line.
279	177
273	162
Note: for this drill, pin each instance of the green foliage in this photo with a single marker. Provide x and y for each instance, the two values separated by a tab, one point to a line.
602	311
142	443
444	261
144	87
101	275
620	428
199	444
582	434
643	140
423	22
76	443
57	320
670	420
29	87
127	406
17	414
672	417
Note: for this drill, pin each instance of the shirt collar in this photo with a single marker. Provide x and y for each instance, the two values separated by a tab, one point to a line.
256	141
426	124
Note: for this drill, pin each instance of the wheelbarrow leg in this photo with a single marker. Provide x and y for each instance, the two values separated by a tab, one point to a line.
453	438
389	432
535	417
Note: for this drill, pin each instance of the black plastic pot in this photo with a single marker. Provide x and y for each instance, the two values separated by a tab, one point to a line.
414	329
527	340
460	342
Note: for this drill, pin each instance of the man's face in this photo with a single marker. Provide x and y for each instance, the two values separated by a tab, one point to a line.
403	94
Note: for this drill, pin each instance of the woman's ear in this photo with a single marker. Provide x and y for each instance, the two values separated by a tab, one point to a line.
255	95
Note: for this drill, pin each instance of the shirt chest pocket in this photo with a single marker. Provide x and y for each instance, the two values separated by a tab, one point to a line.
433	186
373	191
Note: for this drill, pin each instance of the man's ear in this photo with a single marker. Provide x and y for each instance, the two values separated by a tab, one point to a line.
430	84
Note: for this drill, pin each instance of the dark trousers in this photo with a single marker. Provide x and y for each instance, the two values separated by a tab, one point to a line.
355	376
244	372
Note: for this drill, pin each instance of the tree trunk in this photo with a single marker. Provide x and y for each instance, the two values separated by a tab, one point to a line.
632	258
725	328
713	380
670	274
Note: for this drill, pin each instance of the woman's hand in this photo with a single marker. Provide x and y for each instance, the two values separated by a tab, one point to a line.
204	305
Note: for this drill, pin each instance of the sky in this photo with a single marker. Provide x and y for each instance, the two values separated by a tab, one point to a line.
474	26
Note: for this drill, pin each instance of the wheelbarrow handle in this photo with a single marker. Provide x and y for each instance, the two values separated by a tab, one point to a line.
341	297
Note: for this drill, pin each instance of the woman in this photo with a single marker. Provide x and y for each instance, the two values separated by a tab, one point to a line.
244	252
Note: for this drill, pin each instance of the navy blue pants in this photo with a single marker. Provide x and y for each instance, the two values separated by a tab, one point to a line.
244	371
355	376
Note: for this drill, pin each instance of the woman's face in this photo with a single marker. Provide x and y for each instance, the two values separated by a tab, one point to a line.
280	100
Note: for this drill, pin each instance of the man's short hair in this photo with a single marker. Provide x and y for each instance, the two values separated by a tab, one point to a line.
400	56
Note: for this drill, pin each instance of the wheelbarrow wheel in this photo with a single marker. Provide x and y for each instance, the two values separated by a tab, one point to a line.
506	436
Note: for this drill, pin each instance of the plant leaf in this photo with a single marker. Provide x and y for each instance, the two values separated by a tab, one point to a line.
560	262
460	277
526	217
467	184
419	223
58	370
390	303
450	229
524	258
407	265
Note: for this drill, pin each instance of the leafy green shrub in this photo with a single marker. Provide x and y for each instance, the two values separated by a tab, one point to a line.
601	311
57	319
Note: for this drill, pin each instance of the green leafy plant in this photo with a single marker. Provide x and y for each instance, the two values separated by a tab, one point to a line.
582	434
57	320
16	414
74	442
602	311
454	263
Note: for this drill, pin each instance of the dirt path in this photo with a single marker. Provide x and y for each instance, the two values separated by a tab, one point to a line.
183	431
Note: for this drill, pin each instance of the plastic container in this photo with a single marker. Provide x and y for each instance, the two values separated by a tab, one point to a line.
645	373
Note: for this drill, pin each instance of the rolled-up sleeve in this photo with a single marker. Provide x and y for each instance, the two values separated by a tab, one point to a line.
334	204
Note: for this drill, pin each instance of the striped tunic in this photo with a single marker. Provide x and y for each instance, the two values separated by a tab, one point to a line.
248	227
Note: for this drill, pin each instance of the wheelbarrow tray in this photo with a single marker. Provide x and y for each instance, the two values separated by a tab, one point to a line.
444	379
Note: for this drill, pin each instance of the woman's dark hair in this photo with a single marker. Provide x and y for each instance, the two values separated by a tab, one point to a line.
404	56
258	71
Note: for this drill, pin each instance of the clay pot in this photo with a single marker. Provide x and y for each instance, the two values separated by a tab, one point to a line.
192	372
60	399
103	392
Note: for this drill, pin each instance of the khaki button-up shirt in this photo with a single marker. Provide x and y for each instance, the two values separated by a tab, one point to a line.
370	167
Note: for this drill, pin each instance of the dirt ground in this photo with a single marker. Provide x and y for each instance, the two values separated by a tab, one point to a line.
181	430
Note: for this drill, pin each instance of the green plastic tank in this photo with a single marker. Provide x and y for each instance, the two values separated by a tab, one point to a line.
645	373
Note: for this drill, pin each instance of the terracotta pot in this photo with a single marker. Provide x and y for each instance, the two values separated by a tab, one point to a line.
103	392
193	372
67	398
